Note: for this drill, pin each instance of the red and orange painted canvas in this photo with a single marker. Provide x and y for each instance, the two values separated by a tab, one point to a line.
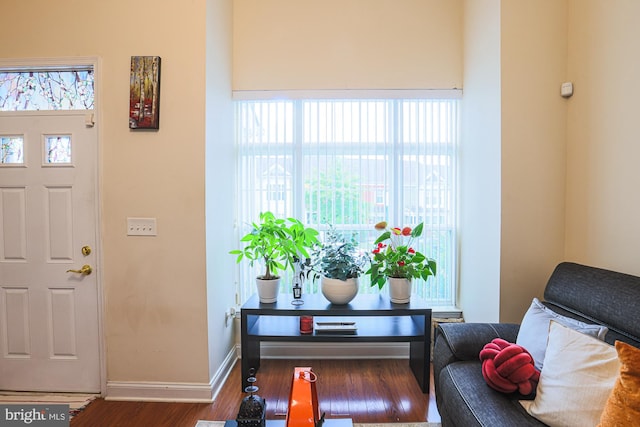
144	93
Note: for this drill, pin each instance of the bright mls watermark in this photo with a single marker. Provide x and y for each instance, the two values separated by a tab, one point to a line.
34	415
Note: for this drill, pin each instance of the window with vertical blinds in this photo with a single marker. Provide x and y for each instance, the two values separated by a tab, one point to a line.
351	163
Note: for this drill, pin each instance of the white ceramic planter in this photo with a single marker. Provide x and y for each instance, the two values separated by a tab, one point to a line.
268	290
337	291
399	290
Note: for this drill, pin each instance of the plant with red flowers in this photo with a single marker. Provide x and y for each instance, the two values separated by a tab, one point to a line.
394	256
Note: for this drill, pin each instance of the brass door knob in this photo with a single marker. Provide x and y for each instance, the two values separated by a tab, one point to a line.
86	270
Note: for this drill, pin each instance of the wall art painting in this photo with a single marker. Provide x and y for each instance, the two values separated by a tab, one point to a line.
144	93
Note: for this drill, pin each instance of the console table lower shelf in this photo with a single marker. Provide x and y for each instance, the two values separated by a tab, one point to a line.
375	317
332	422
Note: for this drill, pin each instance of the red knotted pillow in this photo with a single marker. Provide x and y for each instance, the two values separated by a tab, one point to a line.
508	367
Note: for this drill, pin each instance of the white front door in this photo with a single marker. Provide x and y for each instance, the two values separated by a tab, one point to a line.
49	333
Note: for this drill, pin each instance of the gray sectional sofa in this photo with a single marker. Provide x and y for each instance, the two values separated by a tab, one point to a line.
588	294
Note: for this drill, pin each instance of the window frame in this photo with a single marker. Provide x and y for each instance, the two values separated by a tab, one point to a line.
296	187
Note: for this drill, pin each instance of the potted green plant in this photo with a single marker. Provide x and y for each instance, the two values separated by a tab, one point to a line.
339	263
277	243
396	261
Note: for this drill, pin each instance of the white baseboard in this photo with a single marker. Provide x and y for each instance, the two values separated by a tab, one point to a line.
159	392
206	392
173	392
223	372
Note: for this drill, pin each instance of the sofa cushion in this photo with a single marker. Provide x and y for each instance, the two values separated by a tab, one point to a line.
534	329
466	400
601	296
577	377
623	405
611	337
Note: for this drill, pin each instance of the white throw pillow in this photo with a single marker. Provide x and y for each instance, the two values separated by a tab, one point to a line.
534	329
578	375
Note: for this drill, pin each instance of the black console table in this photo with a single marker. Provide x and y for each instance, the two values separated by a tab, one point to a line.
377	320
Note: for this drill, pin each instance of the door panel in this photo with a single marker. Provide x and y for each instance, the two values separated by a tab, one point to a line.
49	324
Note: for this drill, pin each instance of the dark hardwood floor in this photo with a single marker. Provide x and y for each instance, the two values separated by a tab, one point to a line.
368	391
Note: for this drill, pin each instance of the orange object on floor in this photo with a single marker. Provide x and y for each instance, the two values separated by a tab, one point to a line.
304	410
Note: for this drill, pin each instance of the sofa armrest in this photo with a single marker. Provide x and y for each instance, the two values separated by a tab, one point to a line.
467	339
463	341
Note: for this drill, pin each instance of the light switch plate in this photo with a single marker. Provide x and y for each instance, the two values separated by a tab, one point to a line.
141	227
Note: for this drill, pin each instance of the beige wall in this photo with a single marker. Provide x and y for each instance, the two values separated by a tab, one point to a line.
574	160
512	155
154	288
603	201
354	44
533	44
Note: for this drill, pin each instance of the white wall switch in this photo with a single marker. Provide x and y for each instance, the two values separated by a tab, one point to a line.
141	227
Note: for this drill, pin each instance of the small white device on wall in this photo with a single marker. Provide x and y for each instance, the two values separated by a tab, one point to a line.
566	89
